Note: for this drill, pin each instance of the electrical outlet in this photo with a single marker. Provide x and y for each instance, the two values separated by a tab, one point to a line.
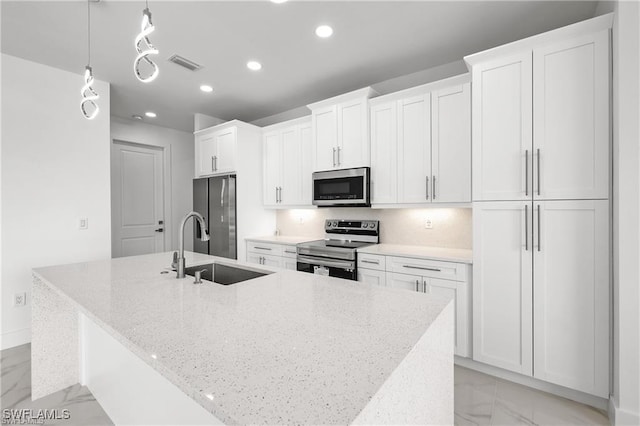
83	223
428	224
20	299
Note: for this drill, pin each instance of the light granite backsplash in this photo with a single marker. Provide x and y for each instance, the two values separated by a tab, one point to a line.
451	226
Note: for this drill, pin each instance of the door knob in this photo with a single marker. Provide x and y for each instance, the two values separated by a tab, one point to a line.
160	230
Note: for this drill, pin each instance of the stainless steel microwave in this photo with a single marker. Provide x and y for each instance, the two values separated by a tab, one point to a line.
341	188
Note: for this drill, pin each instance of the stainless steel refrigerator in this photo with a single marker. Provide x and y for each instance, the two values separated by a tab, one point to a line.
215	199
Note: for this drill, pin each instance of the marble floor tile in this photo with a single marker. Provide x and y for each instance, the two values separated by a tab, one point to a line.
15	383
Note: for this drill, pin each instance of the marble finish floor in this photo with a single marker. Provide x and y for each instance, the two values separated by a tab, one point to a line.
479	399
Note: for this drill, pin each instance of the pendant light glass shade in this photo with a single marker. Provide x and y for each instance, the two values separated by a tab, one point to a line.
88	106
89	96
144	52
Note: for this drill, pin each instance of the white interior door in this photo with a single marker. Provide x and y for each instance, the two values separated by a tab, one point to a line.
571	118
571	294
502	284
137	199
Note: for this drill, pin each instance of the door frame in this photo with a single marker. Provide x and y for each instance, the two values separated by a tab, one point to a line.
166	187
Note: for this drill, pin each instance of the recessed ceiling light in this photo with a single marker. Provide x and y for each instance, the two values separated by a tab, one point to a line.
136	117
206	88
278	1
324	31
254	65
150	114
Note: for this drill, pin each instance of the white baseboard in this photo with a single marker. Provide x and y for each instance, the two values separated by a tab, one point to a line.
574	395
620	417
15	338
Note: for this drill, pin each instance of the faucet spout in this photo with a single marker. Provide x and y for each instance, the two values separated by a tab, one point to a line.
204	237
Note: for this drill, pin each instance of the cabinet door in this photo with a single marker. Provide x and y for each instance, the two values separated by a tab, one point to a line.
291	192
306	162
372	276
384	153
225	143
571	118
274	261
325	138
254	258
272	167
405	281
501	129
451	145
571	294
458	292
290	264
353	134
414	150
502	283
205	151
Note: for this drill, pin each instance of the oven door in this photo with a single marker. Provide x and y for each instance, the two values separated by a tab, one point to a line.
332	267
348	187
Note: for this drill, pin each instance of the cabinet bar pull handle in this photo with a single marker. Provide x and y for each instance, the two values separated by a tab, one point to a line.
213	167
526	172
262	248
433	189
427	186
290	252
338	156
538	171
526	227
334	157
370	261
280	196
417	284
421	267
539	249
424	286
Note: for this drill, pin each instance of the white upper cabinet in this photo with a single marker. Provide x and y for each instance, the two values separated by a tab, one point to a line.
384	153
216	151
571	118
414	149
451	144
287	164
421	144
571	297
341	131
502	120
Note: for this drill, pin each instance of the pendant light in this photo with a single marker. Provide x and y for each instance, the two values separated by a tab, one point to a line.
146	28
88	105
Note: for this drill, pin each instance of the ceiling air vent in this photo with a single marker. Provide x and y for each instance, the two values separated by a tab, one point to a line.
185	63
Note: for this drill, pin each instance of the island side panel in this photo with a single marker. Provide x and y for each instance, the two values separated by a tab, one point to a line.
54	341
420	389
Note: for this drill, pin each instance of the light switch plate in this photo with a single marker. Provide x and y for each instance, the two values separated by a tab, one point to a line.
428	224
20	299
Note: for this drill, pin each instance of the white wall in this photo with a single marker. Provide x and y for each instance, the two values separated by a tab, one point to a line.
180	145
451	226
55	170
626	213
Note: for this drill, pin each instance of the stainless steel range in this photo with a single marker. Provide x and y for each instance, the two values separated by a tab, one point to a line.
336	255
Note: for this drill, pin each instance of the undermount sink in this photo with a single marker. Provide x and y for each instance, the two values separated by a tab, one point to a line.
225	274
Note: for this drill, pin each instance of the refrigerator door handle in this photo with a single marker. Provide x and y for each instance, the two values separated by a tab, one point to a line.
224	183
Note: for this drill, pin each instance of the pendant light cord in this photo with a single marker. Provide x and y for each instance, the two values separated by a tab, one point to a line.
88	32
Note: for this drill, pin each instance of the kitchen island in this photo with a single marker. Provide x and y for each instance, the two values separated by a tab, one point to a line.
285	348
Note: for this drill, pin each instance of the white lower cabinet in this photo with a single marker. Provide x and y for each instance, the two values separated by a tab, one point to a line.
439	278
541	290
272	254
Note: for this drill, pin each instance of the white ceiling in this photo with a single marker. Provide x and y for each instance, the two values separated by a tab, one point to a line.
372	42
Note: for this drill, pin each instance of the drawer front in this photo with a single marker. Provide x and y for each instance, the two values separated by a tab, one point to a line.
371	261
426	268
289	251
264	248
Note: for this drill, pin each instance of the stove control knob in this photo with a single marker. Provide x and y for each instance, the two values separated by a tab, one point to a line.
365	225
372	225
335	224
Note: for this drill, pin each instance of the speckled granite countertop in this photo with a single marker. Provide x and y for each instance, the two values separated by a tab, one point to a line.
283	239
286	348
420	252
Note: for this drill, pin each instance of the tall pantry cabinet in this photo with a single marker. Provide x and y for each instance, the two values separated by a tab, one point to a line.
541	211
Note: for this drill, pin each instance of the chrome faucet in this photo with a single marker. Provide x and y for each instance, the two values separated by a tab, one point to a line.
204	237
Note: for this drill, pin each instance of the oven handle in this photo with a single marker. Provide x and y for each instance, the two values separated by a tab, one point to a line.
323	262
